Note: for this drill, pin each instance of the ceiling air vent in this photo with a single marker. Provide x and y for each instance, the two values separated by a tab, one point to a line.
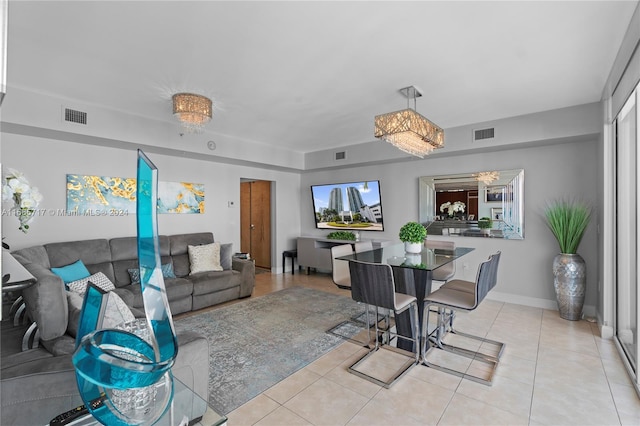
74	116
342	155
481	134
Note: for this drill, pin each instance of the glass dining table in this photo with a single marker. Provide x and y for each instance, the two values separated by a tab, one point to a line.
412	274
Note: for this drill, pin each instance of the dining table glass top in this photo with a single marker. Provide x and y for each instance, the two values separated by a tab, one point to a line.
395	255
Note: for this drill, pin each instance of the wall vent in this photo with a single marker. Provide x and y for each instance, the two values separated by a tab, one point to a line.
341	155
481	134
74	116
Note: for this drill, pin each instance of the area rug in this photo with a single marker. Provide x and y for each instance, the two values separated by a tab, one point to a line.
256	343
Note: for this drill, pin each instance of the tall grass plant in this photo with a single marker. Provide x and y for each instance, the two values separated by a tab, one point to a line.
568	219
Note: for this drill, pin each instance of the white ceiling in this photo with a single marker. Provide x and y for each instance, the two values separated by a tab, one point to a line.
308	76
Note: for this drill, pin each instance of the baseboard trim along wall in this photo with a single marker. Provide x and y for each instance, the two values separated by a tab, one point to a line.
589	311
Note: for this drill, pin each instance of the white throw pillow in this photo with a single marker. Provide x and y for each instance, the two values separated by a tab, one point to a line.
116	311
204	258
99	279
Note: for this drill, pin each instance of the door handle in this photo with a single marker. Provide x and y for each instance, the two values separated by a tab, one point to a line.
252	226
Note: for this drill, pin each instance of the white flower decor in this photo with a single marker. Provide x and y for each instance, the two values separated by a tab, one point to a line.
452	208
25	198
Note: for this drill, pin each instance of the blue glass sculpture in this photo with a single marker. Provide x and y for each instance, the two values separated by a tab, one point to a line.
124	376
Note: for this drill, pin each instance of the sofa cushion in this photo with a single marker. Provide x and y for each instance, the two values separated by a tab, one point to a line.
204	258
176	288
210	282
124	252
95	254
179	243
36	254
46	302
125	248
72	272
91	252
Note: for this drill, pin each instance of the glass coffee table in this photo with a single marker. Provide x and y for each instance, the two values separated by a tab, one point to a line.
186	408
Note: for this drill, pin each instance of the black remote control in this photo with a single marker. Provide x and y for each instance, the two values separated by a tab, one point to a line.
77	412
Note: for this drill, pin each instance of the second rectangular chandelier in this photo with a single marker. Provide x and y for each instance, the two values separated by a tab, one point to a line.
407	130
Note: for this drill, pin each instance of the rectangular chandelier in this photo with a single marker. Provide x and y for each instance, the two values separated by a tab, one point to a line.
409	131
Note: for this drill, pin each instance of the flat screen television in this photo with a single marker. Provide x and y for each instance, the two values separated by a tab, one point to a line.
352	206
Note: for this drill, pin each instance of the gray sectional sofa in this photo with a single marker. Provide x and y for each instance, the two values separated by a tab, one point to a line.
46	301
44	377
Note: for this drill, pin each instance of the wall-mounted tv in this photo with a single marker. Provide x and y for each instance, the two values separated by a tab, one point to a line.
353	205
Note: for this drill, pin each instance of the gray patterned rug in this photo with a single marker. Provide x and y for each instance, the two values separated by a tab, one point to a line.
256	343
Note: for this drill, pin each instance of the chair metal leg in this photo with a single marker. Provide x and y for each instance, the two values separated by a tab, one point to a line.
404	368
413	357
357	321
21	315
475	354
14	307
31	338
434	340
415	326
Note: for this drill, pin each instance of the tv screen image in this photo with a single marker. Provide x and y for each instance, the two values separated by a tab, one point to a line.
348	206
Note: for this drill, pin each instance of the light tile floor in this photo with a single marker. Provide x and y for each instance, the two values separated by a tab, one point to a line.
553	372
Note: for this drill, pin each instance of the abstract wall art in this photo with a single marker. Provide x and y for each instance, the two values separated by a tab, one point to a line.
90	195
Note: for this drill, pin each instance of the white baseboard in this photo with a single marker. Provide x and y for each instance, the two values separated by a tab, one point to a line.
606	331
588	310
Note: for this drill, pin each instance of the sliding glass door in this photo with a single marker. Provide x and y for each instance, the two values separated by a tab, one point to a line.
627	137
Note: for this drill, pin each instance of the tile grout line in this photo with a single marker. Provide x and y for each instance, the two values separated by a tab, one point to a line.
535	370
604	370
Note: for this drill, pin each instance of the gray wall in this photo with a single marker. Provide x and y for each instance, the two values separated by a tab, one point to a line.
551	171
55	159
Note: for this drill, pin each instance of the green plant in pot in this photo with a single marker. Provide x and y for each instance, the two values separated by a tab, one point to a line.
568	220
485	224
412	234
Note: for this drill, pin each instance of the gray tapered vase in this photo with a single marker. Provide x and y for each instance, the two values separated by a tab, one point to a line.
570	283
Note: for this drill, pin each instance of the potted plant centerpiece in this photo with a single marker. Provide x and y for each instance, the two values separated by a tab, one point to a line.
485	224
568	221
412	234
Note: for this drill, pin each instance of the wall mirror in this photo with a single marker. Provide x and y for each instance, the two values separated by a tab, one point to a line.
487	204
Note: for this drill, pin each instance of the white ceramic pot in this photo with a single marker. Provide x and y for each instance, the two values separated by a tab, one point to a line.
412	259
412	247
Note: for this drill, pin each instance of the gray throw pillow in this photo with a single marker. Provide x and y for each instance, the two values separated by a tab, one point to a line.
226	253
167	272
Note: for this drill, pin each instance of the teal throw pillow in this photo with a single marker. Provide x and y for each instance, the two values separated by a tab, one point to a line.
73	272
167	272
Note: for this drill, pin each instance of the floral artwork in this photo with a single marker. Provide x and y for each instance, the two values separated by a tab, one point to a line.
25	197
452	208
115	196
